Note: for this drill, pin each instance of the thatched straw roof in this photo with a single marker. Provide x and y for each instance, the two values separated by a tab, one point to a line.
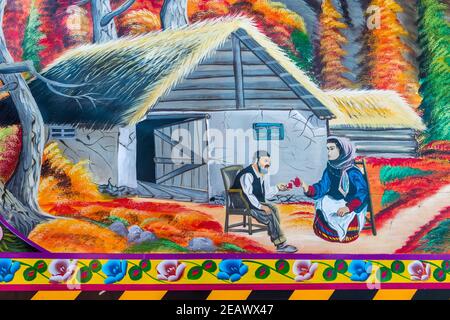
129	75
373	109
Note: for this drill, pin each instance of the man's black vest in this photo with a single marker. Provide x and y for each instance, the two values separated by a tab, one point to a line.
258	190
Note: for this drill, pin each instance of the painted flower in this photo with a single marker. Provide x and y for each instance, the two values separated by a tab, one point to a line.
297	182
170	270
419	271
8	268
304	270
62	270
360	270
115	270
231	270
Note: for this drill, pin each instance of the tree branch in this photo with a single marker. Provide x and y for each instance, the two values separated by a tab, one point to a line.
82	2
27	66
110	16
9	87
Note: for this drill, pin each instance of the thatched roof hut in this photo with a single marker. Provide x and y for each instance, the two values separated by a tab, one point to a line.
128	77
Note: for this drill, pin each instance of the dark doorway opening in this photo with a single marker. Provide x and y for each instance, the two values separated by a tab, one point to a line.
145	165
145	130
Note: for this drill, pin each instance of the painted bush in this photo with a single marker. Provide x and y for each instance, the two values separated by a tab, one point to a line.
10	146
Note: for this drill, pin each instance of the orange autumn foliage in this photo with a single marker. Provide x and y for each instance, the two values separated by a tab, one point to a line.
137	18
389	69
273	18
272	11
139	22
331	52
176	222
62	180
16	14
437	149
77	236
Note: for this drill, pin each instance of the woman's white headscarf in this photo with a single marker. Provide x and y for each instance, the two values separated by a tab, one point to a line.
345	161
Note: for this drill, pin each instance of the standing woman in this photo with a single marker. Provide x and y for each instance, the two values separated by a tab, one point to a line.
341	195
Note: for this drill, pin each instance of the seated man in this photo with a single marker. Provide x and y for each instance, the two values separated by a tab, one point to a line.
254	183
341	195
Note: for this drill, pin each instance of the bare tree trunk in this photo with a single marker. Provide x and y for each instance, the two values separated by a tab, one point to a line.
105	30
17	214
100	8
174	14
103	18
25	181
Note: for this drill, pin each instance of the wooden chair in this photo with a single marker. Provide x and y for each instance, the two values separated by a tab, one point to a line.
237	204
370	218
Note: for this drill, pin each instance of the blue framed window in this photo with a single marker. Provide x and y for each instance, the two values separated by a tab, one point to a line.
268	131
62	133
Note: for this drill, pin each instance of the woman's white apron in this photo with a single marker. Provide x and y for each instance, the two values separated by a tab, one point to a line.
329	208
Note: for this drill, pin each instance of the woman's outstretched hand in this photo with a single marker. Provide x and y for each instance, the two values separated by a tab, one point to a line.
305	186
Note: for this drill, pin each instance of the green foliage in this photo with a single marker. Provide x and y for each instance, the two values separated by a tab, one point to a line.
118	219
262	272
384	274
282	266
434	40
160	245
341	266
32	38
398	266
195	273
231	247
5	132
84	274
389	196
209	265
391	173
135	273
304	58
330	274
437	240
11	243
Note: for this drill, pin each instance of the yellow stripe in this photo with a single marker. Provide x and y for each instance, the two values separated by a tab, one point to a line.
229	295
311	295
143	295
395	294
56	295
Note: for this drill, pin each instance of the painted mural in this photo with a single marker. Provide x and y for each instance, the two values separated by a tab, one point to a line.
197	130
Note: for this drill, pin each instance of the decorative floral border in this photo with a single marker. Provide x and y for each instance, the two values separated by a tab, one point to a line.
108	272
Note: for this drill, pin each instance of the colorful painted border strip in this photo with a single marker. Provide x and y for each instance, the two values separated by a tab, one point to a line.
63	272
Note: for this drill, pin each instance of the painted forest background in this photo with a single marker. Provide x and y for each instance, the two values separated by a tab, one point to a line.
338	43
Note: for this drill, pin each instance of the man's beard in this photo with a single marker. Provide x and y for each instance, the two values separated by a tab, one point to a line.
263	170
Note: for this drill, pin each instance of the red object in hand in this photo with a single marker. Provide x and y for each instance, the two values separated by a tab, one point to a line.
290	185
297	182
